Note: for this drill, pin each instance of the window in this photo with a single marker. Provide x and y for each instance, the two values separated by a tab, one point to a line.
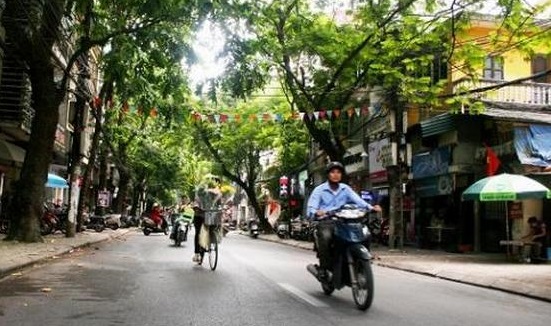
540	63
493	68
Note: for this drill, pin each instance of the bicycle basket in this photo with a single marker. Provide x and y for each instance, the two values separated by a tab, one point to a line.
213	217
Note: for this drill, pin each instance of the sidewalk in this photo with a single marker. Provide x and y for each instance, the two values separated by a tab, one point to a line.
15	255
486	270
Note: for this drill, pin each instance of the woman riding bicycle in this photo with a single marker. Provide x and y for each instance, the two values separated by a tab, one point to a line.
206	198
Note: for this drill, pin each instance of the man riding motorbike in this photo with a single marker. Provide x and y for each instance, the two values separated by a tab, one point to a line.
329	196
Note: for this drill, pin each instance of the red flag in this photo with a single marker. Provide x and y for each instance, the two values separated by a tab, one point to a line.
492	161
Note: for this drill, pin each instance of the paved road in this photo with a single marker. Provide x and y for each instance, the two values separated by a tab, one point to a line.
145	281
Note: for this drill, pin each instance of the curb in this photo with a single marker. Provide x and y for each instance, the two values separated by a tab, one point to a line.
4	272
286	244
442	277
485	286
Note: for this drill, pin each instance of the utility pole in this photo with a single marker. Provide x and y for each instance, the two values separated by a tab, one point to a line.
395	170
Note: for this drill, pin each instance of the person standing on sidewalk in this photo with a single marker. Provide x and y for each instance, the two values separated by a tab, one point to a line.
329	196
538	234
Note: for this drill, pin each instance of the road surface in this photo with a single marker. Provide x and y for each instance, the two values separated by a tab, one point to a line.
145	281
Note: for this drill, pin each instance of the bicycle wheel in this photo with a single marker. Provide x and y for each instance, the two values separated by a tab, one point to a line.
213	250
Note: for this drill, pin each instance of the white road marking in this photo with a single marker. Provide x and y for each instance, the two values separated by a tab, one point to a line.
303	295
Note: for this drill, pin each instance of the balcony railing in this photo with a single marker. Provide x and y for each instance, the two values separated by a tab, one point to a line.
525	93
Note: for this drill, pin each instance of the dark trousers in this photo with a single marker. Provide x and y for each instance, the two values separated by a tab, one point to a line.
196	239
324	244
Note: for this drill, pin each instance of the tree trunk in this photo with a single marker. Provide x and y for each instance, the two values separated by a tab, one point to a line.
29	194
87	193
76	150
102	178
251	194
124	189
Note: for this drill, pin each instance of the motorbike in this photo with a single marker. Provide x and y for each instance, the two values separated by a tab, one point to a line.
282	230
53	220
101	222
352	258
253	228
129	221
180	229
148	226
300	229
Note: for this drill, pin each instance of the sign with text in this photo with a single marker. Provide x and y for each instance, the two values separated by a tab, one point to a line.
104	199
380	156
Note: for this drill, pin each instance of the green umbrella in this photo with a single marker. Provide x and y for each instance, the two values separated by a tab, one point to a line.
505	187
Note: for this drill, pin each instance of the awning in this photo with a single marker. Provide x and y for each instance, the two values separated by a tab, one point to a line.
518	115
11	152
532	145
438	125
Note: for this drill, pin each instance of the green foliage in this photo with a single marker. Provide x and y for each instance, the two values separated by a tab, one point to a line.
323	64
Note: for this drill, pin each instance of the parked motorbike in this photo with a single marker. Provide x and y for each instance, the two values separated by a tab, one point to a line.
352	262
129	221
282	230
379	228
300	229
148	226
101	222
253	228
53	220
180	228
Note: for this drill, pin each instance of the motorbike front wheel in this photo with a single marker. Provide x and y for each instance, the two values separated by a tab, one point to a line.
328	288
363	291
213	252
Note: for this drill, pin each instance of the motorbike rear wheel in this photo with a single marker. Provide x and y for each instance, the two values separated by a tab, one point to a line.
178	238
363	291
146	231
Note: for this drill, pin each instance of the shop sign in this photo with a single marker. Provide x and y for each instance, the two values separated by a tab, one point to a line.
353	161
434	186
380	156
431	163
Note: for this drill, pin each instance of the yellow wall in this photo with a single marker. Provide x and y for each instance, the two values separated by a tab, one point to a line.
516	64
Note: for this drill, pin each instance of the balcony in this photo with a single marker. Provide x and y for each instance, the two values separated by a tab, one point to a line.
528	93
16	113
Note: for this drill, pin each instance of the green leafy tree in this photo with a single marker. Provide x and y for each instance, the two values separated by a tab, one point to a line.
236	147
34	27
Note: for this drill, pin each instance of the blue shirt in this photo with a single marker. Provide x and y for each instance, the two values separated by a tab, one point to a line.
325	199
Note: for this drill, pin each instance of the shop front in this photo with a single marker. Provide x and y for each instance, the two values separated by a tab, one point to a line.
439	211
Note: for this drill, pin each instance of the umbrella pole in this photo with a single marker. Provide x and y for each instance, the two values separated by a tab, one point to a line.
507	228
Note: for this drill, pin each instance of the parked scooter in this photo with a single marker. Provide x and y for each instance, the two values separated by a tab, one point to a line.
282	230
253	228
101	222
148	226
53	220
352	263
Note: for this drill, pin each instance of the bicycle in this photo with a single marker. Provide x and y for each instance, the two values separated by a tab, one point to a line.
213	222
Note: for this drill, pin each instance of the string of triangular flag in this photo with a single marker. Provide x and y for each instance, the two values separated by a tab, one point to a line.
321	115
